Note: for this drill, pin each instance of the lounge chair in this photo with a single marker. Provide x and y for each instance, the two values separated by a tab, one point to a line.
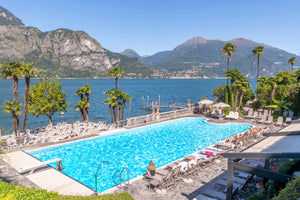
34	166
255	115
230	116
263	119
291	114
250	113
279	121
269	121
288	120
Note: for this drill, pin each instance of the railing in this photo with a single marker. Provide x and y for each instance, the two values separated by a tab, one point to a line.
158	117
120	176
262	172
96	175
166	104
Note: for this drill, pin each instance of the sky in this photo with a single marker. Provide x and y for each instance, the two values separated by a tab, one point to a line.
150	26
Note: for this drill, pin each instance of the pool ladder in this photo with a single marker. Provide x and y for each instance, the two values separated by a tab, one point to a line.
120	176
96	192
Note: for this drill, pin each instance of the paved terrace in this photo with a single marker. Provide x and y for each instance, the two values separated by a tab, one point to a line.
210	182
48	178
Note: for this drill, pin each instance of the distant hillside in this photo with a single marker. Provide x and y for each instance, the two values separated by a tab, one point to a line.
62	53
199	57
130	53
6	18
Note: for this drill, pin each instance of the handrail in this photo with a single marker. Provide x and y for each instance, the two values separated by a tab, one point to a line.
127	174
97	173
120	176
112	178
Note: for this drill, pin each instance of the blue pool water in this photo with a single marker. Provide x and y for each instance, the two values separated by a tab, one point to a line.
162	143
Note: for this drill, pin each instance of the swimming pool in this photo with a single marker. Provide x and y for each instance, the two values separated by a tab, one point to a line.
162	143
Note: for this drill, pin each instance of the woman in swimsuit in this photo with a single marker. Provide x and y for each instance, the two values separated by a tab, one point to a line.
151	169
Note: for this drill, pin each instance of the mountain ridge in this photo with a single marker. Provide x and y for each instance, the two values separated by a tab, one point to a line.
201	58
63	53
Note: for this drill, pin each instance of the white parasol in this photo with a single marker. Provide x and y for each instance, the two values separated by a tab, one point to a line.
206	101
221	105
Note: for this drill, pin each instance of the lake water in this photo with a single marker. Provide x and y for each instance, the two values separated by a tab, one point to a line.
170	90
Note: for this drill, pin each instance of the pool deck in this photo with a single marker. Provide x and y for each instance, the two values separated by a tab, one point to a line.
50	179
47	177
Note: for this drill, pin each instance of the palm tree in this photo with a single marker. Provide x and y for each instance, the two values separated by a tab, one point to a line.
292	61
115	72
14	107
232	74
84	104
28	70
239	83
13	70
109	102
228	50
244	85
279	104
125	98
259	52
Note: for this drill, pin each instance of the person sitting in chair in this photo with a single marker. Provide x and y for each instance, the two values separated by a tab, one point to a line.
151	169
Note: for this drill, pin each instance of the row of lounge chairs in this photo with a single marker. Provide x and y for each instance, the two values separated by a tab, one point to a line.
59	132
174	172
266	118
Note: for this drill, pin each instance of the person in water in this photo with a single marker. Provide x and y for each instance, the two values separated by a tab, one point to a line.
151	169
59	166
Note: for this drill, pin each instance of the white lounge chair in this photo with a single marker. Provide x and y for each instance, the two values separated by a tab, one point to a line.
34	166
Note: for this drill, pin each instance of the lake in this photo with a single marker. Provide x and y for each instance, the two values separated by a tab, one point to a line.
169	90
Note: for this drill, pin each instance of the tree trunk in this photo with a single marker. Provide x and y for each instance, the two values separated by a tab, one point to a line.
236	95
18	125
114	112
117	102
87	98
228	66
15	82
257	67
15	123
119	113
50	120
123	108
82	114
292	67
116	79
272	94
241	99
111	113
27	83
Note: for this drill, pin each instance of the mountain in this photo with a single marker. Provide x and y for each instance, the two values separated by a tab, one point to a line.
6	18
130	53
62	52
203	58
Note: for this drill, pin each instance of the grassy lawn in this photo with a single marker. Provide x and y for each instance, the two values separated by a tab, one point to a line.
10	192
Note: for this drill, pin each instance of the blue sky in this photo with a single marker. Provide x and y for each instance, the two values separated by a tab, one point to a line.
149	26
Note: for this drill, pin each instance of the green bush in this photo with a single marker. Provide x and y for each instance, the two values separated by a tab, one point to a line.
291	191
288	167
15	192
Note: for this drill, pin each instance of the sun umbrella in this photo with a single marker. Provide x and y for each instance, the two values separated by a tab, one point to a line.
221	105
205	101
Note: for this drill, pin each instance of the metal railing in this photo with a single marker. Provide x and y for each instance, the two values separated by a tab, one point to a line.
120	176
97	173
158	117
